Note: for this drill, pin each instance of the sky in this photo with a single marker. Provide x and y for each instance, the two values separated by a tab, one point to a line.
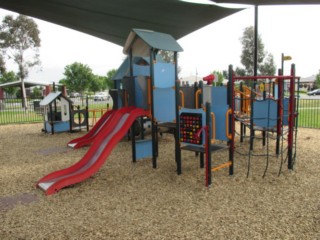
291	30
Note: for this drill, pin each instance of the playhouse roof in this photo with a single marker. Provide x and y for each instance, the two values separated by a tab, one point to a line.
51	97
141	41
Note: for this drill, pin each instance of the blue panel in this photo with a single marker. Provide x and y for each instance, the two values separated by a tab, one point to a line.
140	70
58	127
220	121
219	96
164	75
265	113
141	97
143	148
164	104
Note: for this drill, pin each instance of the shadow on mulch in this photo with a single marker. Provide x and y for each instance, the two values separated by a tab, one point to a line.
53	150
8	203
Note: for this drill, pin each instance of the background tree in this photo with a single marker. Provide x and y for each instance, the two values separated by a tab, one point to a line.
107	81
20	41
220	77
97	84
7	77
78	77
317	80
265	65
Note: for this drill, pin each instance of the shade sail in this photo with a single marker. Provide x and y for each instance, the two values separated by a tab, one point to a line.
112	20
269	2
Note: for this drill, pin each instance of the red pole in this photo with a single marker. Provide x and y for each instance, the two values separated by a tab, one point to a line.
207	155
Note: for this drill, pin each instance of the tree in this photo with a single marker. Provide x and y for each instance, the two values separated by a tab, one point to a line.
109	83
317	80
20	41
78	77
9	77
220	77
97	83
265	66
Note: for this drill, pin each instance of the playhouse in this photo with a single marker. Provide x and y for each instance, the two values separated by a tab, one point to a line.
59	115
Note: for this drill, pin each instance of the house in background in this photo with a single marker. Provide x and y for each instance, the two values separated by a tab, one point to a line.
307	83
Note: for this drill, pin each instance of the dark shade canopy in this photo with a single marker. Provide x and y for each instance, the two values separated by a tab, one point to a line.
269	2
112	20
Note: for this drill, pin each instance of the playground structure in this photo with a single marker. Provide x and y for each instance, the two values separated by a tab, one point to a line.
267	104
201	117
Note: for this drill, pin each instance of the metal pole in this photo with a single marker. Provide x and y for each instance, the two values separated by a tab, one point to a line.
255	62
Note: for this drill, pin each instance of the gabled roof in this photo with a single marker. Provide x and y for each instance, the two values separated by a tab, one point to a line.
146	39
51	97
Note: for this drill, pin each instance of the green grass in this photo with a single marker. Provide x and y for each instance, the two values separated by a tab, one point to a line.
309	118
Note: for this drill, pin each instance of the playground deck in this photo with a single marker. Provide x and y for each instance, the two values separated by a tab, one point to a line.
126	200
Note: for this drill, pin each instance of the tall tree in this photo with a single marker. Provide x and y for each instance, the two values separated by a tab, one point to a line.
78	77
20	41
108	82
317	80
265	65
220	76
7	77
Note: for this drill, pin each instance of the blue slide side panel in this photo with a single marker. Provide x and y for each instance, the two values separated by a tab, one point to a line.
219	96
164	104
265	113
143	148
164	75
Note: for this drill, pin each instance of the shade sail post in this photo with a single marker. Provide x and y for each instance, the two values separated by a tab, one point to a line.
255	58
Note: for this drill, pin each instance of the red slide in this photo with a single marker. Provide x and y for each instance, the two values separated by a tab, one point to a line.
90	136
97	154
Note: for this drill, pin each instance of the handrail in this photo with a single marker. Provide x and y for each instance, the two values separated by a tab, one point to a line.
213	123
198	92
228	135
182	97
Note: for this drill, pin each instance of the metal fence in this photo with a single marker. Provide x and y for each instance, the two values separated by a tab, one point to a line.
309	113
12	111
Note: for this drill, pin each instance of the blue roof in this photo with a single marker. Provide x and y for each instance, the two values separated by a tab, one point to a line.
151	39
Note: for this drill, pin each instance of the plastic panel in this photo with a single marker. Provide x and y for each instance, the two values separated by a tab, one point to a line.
265	113
164	104
141	86
164	75
219	96
143	148
141	70
220	121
